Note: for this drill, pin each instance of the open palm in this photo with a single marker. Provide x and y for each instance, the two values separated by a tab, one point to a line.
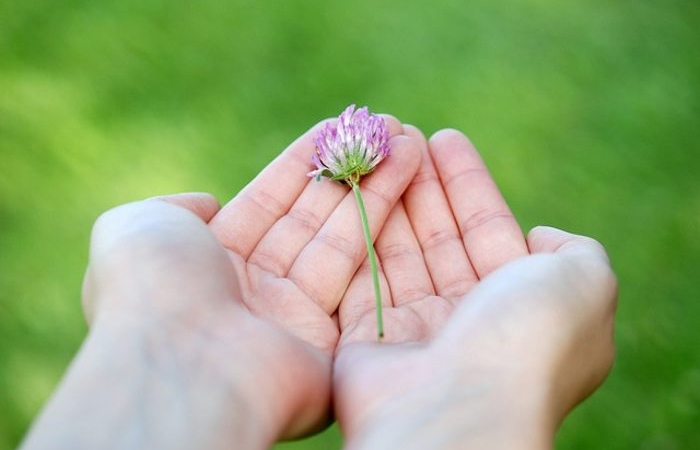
296	243
467	314
292	245
451	229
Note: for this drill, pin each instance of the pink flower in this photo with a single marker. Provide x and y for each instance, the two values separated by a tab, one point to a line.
352	147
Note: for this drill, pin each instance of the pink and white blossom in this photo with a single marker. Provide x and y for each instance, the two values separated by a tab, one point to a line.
351	147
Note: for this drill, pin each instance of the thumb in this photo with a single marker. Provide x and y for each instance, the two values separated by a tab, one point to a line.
154	254
543	239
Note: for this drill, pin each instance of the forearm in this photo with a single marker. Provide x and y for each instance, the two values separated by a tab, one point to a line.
131	388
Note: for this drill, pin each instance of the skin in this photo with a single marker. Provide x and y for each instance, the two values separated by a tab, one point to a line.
494	337
211	326
224	314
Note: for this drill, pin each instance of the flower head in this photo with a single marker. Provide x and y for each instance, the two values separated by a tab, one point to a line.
352	147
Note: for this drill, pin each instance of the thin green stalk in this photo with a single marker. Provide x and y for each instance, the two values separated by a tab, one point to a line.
372	258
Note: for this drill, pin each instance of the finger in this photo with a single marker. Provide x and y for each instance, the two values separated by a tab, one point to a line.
491	235
587	256
278	249
402	259
394	125
434	225
326	265
156	251
204	205
567	279
403	274
543	239
243	221
281	245
359	300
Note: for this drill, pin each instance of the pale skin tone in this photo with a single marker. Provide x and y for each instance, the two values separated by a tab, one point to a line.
498	336
234	327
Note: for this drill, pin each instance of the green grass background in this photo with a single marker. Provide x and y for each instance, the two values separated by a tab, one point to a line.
587	113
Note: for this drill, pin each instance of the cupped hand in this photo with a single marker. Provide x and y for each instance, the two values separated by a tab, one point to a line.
487	333
451	229
258	280
296	243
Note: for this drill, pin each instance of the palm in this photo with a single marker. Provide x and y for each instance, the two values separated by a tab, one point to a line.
451	229
295	244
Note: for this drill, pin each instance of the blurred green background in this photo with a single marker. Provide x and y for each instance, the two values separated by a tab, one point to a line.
587	113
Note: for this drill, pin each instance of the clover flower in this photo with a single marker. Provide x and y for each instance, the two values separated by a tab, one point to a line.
345	152
352	147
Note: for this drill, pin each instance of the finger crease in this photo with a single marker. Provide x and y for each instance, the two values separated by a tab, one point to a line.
396	251
266	202
468	173
380	194
269	262
305	218
424	176
439	237
482	217
346	247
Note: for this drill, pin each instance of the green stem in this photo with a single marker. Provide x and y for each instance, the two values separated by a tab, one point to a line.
372	258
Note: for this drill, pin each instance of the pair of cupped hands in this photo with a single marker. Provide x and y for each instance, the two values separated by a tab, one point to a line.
241	325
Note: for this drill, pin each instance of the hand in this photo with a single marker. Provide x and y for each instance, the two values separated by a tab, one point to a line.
493	338
296	243
211	326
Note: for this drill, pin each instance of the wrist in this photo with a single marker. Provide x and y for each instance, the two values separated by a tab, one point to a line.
451	408
232	366
140	384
